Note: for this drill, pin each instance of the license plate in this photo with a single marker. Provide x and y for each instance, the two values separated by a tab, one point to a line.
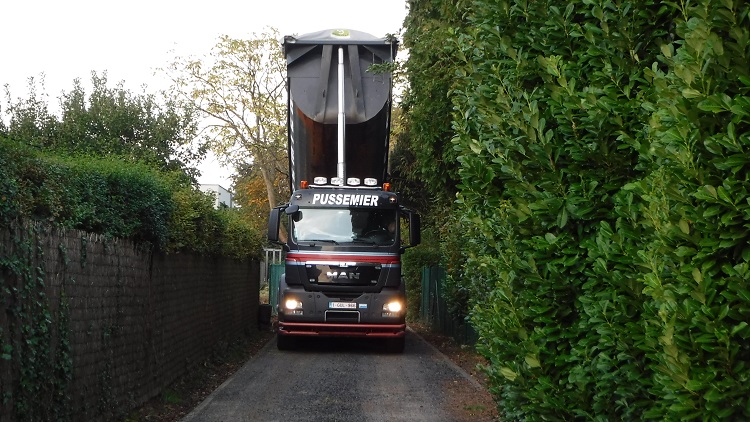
342	305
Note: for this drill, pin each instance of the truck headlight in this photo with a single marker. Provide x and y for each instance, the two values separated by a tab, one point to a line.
392	309
294	306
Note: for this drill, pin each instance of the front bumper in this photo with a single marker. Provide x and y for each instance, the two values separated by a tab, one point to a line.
318	314
342	330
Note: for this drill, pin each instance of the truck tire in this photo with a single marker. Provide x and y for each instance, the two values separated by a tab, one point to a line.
285	342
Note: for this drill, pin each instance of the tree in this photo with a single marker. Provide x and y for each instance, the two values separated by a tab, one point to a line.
239	87
431	75
250	195
135	126
107	121
30	119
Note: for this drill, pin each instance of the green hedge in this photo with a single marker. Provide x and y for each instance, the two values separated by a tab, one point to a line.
196	226
603	157
121	199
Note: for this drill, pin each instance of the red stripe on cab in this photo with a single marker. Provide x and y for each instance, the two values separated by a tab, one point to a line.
378	259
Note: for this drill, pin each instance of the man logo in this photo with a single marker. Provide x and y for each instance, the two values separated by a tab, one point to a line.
336	275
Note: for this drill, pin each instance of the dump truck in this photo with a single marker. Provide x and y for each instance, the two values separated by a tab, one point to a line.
346	227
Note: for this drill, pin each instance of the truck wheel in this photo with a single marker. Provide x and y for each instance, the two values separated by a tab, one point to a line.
395	345
285	342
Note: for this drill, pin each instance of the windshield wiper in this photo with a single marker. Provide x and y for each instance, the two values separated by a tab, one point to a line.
367	242
312	241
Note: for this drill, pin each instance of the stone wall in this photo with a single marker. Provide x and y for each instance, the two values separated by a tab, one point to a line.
128	321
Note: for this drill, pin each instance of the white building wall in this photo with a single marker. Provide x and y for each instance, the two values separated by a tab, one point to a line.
222	197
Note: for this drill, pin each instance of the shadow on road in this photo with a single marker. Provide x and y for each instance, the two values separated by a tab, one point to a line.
349	345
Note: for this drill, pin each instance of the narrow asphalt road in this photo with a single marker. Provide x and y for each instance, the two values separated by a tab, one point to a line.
343	380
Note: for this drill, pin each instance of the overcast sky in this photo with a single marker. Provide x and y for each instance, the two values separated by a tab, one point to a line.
68	39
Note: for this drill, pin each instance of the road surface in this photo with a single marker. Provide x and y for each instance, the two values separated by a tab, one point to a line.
344	380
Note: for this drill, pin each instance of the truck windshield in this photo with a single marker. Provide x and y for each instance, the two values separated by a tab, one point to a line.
375	227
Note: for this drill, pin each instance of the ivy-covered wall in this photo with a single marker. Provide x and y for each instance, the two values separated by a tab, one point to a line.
92	326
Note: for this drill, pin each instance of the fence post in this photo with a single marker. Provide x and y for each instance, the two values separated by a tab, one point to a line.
424	311
438	295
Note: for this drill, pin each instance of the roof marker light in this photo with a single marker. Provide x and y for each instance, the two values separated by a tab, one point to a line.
387	187
303	184
340	33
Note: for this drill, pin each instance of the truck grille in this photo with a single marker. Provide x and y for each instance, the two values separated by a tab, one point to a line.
342	316
360	275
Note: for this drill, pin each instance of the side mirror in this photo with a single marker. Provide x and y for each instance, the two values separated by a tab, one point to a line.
291	209
415	231
273	224
294	212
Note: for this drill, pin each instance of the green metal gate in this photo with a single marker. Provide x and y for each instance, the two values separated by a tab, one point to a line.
277	270
434	309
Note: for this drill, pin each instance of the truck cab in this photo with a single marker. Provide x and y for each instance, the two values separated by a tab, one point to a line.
343	264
